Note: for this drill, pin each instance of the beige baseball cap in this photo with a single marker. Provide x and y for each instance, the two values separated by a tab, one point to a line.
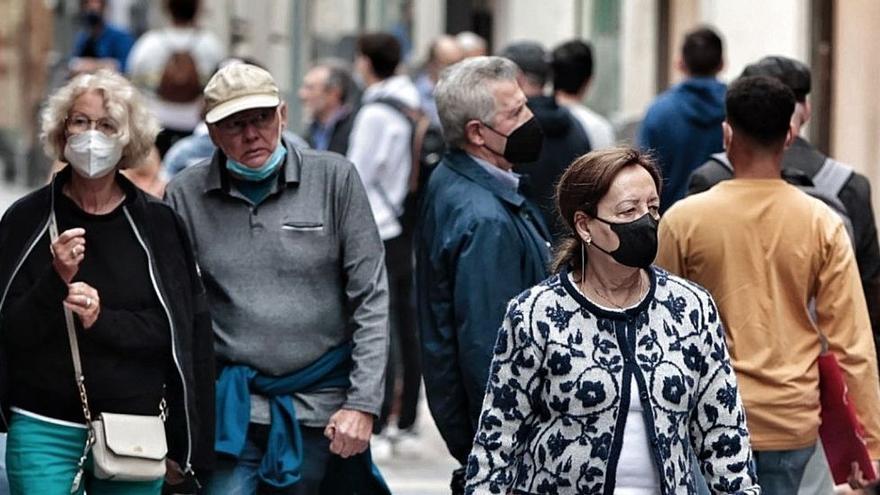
238	87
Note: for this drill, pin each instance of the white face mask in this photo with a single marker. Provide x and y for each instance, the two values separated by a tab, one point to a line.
92	153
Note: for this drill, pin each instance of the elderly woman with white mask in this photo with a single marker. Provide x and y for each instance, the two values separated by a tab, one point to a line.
90	261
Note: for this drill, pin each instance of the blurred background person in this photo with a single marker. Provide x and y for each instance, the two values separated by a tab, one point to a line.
98	44
444	51
572	67
172	65
326	96
683	125
472	44
564	138
381	149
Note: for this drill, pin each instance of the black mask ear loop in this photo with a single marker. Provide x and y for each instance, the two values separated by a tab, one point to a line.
487	126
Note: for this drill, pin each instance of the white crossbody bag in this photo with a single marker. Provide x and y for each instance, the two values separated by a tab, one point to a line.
124	447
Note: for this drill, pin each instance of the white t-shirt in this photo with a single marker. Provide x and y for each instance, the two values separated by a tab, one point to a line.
147	60
597	127
636	473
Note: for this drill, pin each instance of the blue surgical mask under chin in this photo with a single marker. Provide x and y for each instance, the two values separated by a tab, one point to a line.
257	174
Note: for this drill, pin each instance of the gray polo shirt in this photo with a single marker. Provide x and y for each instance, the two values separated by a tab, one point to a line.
295	276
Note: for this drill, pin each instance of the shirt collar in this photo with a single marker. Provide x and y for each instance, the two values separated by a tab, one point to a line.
218	176
507	178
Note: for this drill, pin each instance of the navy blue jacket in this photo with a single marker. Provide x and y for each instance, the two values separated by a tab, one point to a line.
480	244
112	42
683	129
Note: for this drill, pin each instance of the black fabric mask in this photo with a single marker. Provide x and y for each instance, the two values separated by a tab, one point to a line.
638	241
523	144
91	19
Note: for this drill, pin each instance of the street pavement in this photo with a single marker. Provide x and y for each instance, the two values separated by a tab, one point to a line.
419	465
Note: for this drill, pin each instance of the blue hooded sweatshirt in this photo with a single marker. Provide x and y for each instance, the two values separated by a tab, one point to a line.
683	128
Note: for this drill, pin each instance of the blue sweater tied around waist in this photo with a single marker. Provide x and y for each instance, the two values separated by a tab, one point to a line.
280	466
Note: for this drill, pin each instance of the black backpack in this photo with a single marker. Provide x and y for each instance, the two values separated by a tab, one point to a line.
824	186
426	140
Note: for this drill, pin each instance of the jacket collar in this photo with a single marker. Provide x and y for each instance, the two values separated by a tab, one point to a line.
218	176
133	195
461	163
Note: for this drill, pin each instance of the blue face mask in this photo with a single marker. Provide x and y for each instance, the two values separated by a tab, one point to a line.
257	174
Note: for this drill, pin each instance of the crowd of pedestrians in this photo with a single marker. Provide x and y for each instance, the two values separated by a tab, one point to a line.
587	316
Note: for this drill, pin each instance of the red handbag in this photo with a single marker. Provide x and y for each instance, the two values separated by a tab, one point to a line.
842	434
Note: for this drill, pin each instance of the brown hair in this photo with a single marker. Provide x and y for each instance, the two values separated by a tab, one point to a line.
583	185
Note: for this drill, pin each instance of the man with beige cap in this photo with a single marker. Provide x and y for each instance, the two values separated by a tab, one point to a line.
295	275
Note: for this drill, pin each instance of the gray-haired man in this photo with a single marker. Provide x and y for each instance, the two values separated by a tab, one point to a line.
480	243
295	275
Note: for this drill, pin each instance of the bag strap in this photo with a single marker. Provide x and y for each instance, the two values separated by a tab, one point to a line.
721	159
832	176
77	372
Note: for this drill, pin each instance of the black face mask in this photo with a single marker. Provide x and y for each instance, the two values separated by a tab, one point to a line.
523	144
91	19
638	241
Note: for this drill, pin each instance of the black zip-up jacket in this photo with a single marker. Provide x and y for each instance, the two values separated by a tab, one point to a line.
190	425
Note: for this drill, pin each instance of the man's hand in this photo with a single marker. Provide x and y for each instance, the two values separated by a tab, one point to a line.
349	432
857	478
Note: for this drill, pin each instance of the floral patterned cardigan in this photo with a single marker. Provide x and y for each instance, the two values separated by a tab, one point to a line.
559	387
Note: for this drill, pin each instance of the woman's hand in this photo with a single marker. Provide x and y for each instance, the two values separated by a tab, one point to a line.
83	300
68	251
173	473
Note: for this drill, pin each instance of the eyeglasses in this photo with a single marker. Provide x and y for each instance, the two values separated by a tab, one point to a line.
261	119
78	123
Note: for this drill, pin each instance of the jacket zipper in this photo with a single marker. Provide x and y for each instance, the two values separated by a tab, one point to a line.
188	467
21	261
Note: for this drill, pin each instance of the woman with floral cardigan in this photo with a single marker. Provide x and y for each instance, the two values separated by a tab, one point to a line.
609	377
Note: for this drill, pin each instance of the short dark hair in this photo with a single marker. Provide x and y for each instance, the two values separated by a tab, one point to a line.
702	52
531	58
183	10
572	64
792	73
760	107
383	51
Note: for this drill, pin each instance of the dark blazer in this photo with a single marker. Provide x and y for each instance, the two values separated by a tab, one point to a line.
479	244
24	233
339	136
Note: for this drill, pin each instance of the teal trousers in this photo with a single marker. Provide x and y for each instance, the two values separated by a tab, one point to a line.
41	459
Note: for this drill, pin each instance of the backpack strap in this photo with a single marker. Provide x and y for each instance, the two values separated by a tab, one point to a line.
832	176
721	159
419	127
